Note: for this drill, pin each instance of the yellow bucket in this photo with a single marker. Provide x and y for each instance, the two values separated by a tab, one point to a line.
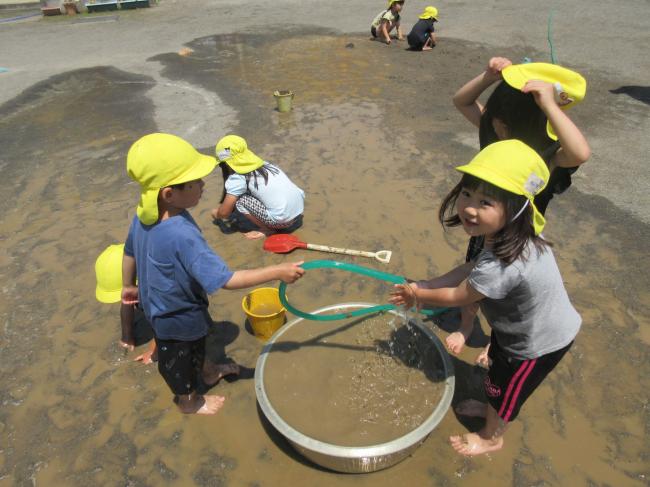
283	99
264	311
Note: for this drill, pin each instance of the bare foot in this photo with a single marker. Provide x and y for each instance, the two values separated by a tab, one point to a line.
472	408
148	357
254	235
456	342
129	346
472	444
198	404
214	213
212	376
483	360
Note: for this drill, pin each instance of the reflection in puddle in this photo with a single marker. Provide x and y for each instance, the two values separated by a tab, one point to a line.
374	156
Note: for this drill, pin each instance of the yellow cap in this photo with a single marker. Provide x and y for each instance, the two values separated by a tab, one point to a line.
159	160
430	13
391	2
515	167
233	150
570	87
108	271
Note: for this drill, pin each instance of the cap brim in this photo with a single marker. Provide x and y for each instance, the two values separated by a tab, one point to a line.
549	131
489	176
203	166
108	297
245	162
514	76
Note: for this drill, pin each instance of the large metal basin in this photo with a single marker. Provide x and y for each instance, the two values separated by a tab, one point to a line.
354	459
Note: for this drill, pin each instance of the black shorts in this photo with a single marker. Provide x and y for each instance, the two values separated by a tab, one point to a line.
373	31
510	382
415	43
180	363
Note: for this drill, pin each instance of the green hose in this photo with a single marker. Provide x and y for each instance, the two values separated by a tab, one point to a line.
366	271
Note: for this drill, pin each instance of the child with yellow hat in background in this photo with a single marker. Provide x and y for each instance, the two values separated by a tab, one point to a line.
108	272
176	269
255	191
515	281
528	104
422	36
387	20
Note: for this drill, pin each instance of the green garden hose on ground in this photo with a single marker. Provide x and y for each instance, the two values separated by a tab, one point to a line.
344	266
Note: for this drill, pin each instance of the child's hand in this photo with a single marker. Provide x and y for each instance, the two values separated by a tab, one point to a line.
543	92
290	272
495	66
404	295
130	295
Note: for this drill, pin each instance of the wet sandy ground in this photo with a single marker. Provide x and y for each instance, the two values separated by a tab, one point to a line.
372	140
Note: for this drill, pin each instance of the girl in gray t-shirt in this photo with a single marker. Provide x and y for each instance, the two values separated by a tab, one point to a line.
515	281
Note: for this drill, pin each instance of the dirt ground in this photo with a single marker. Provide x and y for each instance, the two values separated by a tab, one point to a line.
373	139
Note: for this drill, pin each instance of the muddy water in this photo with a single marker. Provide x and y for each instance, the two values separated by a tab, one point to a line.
372	140
372	379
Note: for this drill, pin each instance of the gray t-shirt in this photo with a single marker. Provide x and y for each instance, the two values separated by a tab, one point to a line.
525	303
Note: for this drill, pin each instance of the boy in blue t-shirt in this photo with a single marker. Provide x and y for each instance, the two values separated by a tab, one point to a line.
175	267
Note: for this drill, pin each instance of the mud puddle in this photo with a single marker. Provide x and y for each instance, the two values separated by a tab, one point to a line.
372	140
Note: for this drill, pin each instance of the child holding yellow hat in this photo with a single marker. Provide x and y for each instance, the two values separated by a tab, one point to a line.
386	21
515	281
528	104
108	271
422	36
256	191
176	269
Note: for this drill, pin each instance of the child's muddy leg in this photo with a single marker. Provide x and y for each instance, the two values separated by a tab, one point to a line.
212	373
127	317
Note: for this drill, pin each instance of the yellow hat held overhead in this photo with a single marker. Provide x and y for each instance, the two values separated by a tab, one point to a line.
515	167
570	87
233	150
429	13
108	272
159	160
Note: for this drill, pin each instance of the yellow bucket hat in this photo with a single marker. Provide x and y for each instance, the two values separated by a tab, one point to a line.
570	87
515	167
233	150
430	13
159	160
108	272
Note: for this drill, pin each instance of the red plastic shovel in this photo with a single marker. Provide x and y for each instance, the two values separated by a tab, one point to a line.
282	243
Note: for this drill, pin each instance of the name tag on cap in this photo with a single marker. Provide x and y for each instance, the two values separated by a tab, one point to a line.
562	98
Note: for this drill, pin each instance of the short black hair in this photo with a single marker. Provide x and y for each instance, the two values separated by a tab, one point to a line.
520	113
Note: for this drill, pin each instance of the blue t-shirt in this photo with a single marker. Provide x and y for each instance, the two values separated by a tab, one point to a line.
176	271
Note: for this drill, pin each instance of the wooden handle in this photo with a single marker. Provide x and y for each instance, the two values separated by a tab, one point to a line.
336	250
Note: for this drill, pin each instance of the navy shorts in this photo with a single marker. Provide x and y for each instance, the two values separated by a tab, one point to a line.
180	363
510	382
